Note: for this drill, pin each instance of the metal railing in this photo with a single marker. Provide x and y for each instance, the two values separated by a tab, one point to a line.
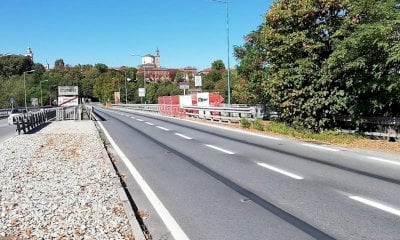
29	121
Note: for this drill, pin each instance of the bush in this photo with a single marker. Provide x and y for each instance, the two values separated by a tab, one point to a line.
244	123
257	124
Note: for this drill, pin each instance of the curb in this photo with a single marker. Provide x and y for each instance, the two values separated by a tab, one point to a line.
135	227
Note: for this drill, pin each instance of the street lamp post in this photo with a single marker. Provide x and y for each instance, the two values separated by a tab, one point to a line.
30	71
144	77
126	89
226	2
50	93
41	92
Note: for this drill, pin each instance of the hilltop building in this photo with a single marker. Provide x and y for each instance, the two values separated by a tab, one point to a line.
29	53
153	72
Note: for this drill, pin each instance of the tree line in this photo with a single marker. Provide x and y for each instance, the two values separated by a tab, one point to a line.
96	82
317	60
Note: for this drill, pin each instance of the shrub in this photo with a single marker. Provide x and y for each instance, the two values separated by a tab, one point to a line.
244	123
257	124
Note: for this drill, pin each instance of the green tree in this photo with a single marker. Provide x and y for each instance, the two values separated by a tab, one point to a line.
101	67
252	84
59	64
14	65
296	40
366	63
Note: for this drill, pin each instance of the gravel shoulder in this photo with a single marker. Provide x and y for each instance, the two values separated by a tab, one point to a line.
57	184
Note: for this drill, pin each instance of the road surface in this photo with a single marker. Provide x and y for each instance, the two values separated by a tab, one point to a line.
221	184
6	131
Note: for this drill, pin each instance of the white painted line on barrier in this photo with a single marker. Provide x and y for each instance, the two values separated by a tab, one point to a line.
169	221
376	205
278	170
140	120
384	160
162	128
320	147
219	149
183	136
149	123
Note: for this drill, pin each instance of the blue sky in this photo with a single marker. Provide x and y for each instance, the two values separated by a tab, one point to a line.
187	32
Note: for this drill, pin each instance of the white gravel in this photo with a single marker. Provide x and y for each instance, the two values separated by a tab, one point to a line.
56	184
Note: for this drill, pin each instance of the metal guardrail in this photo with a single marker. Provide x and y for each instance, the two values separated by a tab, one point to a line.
29	121
221	114
225	113
140	107
387	127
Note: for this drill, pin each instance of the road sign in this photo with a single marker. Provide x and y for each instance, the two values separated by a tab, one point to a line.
184	85
142	92
34	102
66	101
67	90
197	81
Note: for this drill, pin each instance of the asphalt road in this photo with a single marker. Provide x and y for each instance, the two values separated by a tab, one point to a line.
223	184
6	131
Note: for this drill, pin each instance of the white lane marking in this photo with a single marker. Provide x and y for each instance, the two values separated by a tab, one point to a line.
376	205
183	136
320	147
278	170
163	128
149	123
3	125
133	117
140	120
384	160
162	211
219	149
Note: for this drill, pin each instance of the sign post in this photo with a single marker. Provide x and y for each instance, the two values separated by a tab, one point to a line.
142	93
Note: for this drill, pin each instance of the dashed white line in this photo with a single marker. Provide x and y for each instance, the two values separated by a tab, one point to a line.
162	128
376	205
183	136
140	120
278	170
133	117
320	147
169	221
149	123
219	149
384	160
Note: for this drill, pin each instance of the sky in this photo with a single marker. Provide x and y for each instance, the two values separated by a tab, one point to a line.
186	32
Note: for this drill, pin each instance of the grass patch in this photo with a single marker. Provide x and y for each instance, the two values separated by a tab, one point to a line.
327	136
257	124
245	123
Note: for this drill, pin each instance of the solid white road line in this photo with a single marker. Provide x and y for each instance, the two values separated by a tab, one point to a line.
278	170
320	147
149	123
219	149
162	211
3	125
183	136
162	128
140	120
376	205
384	160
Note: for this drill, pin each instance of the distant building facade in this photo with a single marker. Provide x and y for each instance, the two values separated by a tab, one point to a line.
153	72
